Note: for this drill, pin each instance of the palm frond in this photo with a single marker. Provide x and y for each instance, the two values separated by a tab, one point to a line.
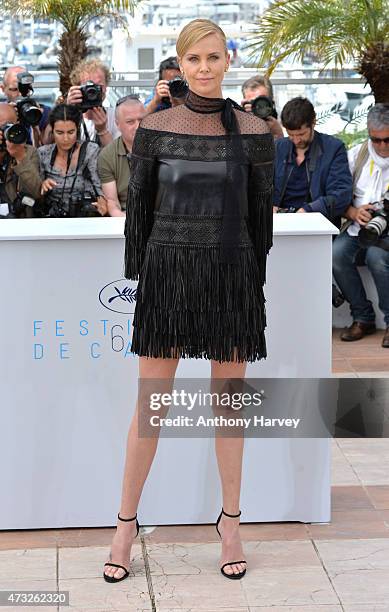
335	30
72	14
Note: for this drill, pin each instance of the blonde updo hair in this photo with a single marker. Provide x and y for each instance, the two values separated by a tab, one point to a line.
196	30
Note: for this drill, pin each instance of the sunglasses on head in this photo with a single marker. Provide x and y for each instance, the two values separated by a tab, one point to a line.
125	98
379	140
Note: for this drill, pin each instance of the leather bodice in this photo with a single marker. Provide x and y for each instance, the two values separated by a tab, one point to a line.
188	187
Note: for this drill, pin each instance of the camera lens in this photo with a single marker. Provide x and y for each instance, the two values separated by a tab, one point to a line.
262	107
372	232
92	93
29	112
178	88
15	133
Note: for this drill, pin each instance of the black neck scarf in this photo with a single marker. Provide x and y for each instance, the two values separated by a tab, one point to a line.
230	232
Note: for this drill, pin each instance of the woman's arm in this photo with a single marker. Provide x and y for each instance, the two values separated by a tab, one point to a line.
140	202
260	201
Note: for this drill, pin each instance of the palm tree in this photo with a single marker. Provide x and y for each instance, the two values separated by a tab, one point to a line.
336	31
74	16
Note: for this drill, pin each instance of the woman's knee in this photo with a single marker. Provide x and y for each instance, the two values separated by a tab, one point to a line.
228	369
157	367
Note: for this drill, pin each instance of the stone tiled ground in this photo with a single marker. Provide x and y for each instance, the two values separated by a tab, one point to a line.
293	567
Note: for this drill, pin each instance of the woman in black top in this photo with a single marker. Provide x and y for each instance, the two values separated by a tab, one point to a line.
198	230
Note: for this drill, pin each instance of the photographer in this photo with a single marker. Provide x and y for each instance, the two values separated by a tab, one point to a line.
19	168
311	173
369	165
89	80
258	97
162	99
71	186
10	87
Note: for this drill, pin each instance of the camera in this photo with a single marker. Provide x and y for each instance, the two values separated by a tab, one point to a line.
377	227
291	209
16	209
19	204
92	95
83	207
178	88
28	109
25	81
263	107
13	132
77	207
337	297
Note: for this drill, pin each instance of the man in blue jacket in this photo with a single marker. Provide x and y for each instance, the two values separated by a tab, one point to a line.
312	172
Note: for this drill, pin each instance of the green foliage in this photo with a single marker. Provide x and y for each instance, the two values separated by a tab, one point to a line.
336	31
352	139
72	14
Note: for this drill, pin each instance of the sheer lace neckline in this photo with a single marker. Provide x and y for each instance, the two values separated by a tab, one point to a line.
200	104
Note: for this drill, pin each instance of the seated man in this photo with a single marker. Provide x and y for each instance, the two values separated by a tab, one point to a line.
311	171
369	164
19	169
261	86
114	160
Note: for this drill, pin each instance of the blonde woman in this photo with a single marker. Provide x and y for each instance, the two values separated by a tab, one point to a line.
199	227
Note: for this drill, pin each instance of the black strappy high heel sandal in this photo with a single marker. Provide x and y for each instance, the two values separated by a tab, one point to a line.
112	578
232	576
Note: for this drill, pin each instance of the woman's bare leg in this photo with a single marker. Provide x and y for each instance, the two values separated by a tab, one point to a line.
229	454
139	457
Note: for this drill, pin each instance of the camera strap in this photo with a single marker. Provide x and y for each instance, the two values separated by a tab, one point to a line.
80	161
87	176
86	133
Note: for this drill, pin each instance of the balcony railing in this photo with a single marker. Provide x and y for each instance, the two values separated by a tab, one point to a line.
341	102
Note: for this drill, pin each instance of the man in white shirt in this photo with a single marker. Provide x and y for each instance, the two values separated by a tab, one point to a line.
369	165
99	122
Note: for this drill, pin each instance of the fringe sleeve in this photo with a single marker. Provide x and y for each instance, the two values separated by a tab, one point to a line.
140	205
260	210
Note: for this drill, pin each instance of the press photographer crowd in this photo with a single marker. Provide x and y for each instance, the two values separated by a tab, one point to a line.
74	161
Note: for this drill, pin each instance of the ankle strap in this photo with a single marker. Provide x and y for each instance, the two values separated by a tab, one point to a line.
231	515
127	520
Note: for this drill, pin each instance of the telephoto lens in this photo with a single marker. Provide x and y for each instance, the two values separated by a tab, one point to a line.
29	112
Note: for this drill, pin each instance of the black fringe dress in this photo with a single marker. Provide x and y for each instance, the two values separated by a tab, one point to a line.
198	231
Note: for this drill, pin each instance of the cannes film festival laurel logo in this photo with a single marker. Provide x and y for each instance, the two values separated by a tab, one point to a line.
119	296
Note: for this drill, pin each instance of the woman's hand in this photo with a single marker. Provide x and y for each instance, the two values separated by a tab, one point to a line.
101	205
47	185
